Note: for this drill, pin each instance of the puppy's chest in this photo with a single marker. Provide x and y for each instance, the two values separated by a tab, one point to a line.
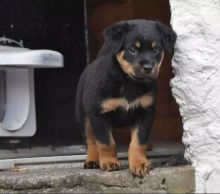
127	99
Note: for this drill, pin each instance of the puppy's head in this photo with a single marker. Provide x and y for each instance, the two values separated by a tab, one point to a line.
139	46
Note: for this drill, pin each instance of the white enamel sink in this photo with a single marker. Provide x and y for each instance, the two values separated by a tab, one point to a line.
17	100
23	57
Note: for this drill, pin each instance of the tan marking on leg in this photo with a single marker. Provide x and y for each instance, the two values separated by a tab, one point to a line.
137	44
125	65
138	163
92	155
107	156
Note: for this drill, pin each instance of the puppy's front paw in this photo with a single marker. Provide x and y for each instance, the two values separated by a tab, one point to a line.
90	164
140	167
110	164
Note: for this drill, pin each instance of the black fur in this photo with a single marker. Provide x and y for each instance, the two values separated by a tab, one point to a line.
104	78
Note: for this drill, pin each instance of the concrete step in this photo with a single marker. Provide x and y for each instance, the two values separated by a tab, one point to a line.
176	179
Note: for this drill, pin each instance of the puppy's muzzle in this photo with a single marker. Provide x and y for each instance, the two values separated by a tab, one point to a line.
147	68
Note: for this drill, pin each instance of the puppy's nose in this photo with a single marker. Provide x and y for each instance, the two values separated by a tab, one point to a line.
147	68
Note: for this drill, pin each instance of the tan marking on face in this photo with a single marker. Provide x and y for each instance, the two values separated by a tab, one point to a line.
153	44
112	104
107	155
157	66
92	151
138	162
125	65
137	44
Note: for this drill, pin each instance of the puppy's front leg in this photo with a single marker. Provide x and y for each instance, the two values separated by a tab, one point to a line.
92	155
106	145
139	165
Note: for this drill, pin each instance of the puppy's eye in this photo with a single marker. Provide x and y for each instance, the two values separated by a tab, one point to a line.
156	51
132	50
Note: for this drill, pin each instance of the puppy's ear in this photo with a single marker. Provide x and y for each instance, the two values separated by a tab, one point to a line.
168	36
114	35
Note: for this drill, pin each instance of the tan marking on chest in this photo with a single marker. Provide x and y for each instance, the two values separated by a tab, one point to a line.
112	104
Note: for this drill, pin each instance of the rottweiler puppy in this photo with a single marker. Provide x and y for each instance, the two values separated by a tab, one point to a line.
118	90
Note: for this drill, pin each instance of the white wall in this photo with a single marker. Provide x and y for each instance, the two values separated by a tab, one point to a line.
196	85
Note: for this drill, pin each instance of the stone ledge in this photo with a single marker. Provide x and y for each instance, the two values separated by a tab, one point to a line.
65	180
